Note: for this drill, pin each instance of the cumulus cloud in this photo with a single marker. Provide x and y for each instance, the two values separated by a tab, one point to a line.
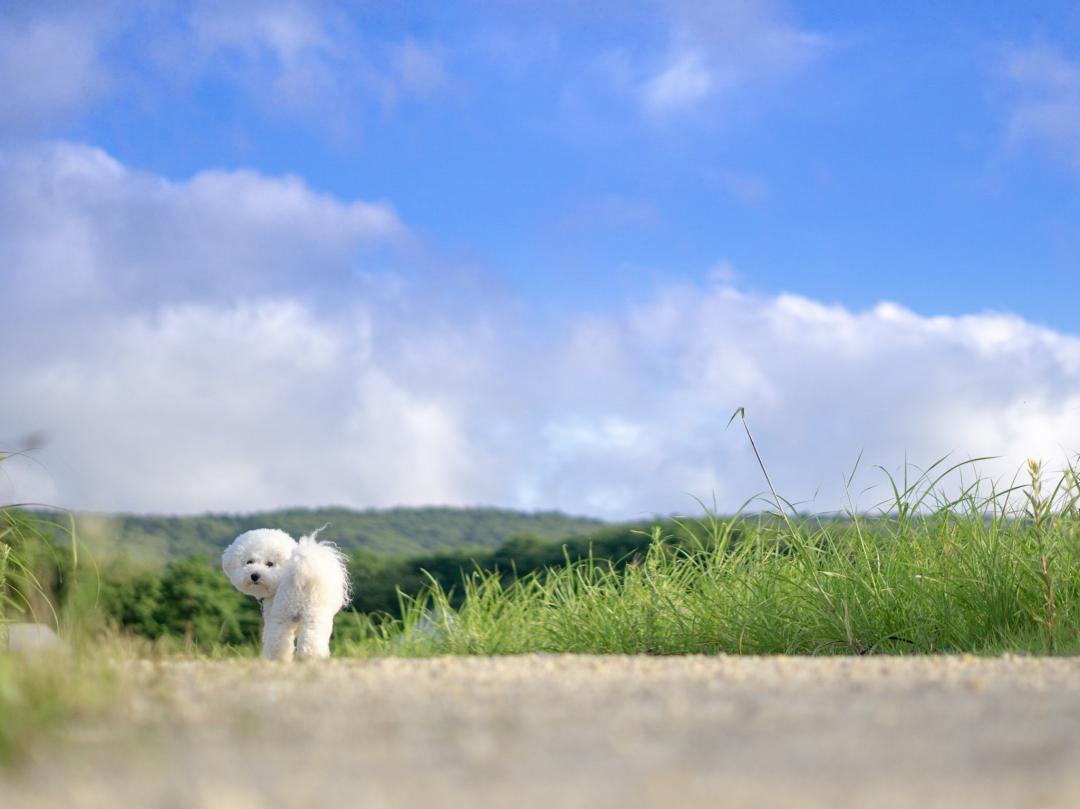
1046	107
78	228
144	312
203	406
225	343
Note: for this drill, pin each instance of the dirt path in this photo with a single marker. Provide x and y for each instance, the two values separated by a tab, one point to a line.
591	732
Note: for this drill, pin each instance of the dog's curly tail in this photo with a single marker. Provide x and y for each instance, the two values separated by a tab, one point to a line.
321	566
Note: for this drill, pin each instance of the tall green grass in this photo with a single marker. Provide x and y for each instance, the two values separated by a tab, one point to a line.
982	569
34	569
40	690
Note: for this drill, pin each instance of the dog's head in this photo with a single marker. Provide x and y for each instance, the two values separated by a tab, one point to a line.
256	561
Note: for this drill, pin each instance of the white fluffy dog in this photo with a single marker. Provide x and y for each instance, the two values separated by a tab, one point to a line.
301	586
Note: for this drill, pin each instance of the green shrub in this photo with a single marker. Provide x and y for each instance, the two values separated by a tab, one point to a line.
191	599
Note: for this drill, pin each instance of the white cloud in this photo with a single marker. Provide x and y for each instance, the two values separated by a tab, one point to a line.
308	61
287	55
162	332
418	69
221	343
289	32
306	58
204	406
325	66
50	66
682	83
717	48
722	273
79	228
1046	107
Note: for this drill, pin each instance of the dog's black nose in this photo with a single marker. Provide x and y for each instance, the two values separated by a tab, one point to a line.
254	576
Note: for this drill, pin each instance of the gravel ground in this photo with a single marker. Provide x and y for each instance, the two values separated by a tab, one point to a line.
570	731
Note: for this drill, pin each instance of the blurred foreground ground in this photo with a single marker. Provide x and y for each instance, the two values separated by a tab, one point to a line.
568	731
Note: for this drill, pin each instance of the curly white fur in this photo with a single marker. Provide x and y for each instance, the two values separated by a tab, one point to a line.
301	586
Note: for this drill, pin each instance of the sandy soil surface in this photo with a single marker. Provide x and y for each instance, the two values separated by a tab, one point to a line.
567	731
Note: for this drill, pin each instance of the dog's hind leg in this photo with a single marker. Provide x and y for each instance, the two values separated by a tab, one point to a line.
278	639
313	638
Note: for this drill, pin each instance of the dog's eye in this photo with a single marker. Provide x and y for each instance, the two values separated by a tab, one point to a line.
249	562
269	564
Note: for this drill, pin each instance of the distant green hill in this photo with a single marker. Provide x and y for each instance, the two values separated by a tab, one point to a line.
394	532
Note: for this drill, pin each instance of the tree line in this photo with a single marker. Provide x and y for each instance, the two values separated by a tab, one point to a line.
153	540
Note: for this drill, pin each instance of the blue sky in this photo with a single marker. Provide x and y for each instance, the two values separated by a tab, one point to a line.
498	219
871	157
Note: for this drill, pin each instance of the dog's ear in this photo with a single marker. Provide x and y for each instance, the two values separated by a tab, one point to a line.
228	556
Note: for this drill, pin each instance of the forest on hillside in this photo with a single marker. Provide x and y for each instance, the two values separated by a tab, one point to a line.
153	541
